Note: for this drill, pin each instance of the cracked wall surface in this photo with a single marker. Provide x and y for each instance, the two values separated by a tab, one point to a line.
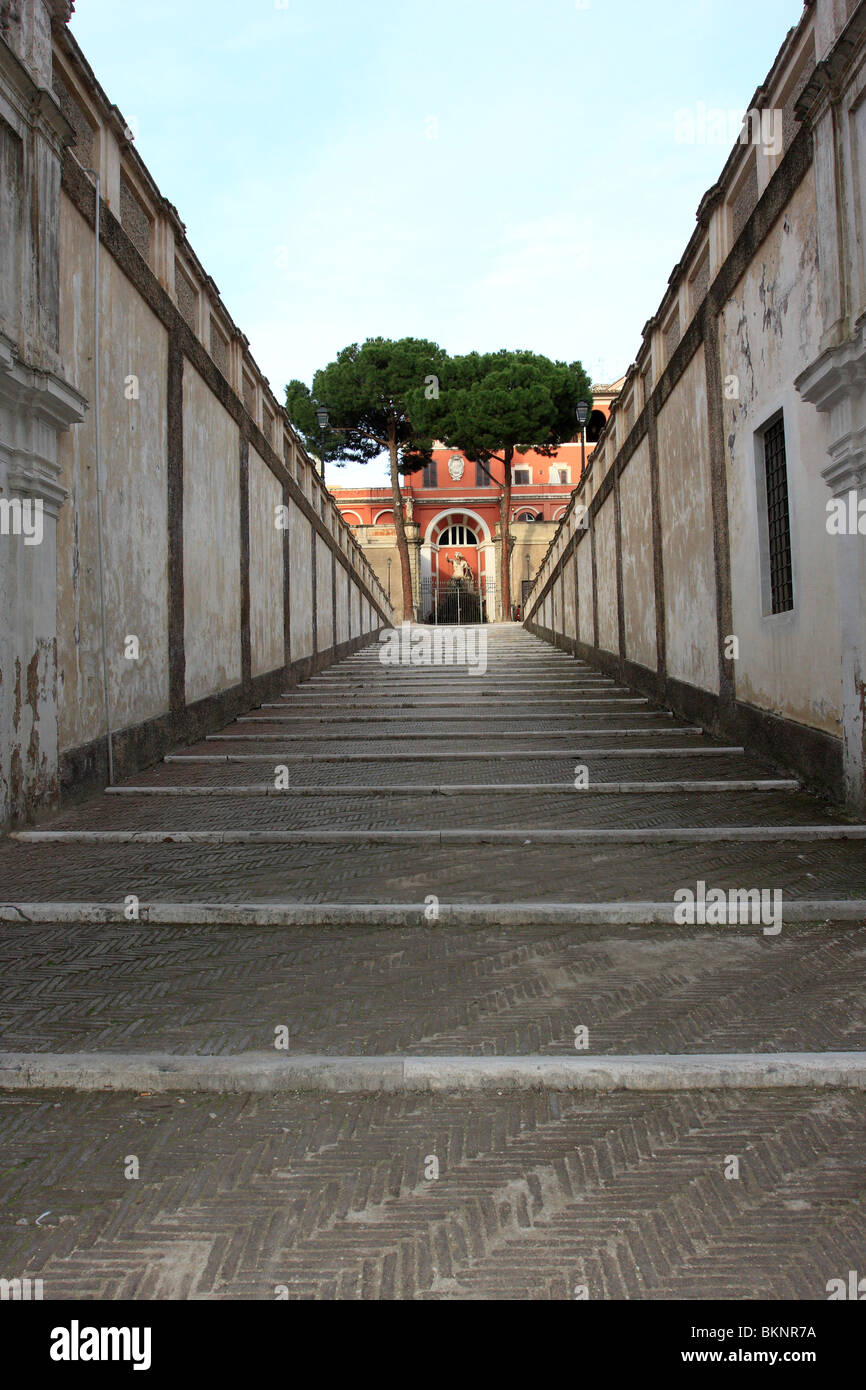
769	331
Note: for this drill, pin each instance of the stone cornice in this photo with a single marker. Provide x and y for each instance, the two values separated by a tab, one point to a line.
836	385
61	12
38	405
830	75
36	104
709	202
46	394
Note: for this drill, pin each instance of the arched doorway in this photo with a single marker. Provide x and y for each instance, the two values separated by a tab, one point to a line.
457	549
455	583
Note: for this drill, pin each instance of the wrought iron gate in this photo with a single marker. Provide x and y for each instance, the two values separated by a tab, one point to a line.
456	601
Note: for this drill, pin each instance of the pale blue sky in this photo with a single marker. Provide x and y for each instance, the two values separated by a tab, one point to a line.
486	173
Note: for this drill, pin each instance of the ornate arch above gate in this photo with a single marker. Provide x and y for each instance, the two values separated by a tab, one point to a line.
457	516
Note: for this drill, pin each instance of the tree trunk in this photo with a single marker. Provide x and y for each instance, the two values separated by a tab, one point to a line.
400	529
505	536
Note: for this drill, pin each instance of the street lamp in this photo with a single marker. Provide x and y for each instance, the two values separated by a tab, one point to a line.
582	412
322	415
389	578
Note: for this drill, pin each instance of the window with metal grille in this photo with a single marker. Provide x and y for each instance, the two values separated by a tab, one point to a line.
482	475
458	535
428	475
779	568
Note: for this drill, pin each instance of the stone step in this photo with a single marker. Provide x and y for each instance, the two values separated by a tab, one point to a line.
215	808
602	752
556	771
254	1073
529	875
351	985
730	833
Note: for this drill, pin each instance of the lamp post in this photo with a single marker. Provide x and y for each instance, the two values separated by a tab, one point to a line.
322	415
389	578
582	412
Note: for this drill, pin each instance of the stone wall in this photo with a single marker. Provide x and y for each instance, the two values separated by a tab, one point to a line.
211	511
37	402
663	552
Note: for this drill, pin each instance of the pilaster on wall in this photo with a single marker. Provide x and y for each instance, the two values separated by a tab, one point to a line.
244	577
658	553
835	383
176	650
620	602
592	518
36	405
719	497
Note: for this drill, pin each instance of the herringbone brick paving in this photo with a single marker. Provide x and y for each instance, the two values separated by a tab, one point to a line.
237	873
538	1193
442	990
556	770
556	810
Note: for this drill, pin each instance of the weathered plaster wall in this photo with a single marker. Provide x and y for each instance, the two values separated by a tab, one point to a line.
133	359
687	531
568	599
211	541
355	611
300	584
637	559
762	319
266	569
196	452
605	571
324	592
28	685
584	589
770	330
342	605
555	605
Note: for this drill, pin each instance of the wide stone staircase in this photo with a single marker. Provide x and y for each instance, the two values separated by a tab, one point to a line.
419	911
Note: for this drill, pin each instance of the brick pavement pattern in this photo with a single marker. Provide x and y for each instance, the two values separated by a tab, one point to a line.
477	991
538	1193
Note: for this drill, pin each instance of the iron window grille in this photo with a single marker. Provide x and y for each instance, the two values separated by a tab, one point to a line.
778	519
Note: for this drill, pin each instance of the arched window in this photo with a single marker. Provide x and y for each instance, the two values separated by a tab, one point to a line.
458	535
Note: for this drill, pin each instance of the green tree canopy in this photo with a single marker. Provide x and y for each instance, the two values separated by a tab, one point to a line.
367	389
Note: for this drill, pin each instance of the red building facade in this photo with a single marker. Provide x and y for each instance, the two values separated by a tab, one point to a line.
452	515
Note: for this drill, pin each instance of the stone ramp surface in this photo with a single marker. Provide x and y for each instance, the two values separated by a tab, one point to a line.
479	992
384	873
539	1196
